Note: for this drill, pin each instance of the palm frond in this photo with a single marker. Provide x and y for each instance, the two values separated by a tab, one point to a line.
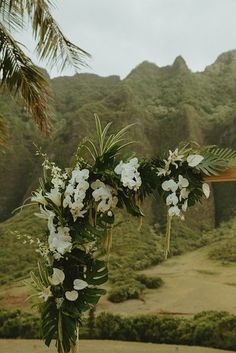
20	75
52	44
211	165
216	160
12	14
223	153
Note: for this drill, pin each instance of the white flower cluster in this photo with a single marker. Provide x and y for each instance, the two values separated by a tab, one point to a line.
58	178
179	203
130	177
58	278
177	200
76	191
105	195
177	159
59	239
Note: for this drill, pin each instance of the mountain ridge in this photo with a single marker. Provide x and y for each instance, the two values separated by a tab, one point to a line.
168	104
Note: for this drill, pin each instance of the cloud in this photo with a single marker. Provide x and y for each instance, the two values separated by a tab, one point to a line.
121	34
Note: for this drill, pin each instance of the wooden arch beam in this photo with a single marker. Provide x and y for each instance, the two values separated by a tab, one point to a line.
227	175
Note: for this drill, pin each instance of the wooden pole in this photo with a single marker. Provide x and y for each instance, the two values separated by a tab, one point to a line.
227	175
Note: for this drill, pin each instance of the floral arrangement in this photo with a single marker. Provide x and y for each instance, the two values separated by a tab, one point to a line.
79	206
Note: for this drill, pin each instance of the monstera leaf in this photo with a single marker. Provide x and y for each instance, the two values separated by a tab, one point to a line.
57	324
97	274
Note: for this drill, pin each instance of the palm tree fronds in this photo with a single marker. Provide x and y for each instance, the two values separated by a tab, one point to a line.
19	74
52	44
12	14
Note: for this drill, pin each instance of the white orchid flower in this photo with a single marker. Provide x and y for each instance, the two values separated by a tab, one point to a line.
175	157
104	194
172	199
130	177
194	159
185	206
169	185
39	198
57	277
71	295
183	182
45	293
79	175
67	201
79	284
55	196
75	193
184	193
206	190
163	172
174	211
59	240
118	169
46	214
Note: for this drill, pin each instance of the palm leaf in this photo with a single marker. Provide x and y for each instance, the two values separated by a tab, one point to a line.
19	74
12	14
223	153
211	165
216	160
51	42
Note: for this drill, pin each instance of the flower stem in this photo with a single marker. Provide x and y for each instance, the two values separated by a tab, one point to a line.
75	347
168	234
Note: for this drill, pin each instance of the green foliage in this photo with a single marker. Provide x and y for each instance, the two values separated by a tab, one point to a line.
18	324
124	291
209	329
216	160
18	73
149	282
223	246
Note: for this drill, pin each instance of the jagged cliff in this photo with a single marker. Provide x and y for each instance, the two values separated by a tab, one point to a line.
168	104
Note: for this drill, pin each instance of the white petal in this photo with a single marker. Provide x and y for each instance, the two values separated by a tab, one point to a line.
71	295
119	167
185	206
174	211
55	196
172	199
206	190
79	284
183	182
194	159
169	185
57	277
184	193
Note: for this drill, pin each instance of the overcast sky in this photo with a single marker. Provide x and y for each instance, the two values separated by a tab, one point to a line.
120	34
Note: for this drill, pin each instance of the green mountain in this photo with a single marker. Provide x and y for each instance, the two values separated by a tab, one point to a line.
168	104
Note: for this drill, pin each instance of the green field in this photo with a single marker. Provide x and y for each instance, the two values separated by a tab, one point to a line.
93	346
191	281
